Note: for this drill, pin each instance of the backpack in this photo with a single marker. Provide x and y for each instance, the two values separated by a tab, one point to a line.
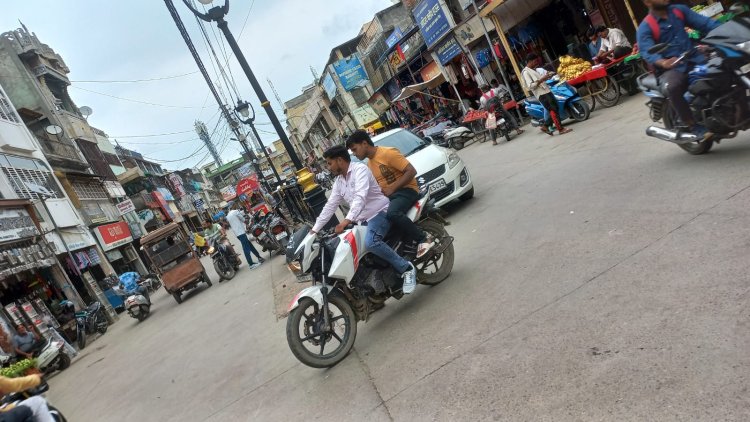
654	25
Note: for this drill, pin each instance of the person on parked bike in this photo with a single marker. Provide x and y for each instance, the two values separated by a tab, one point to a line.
356	185
536	82
666	23
397	179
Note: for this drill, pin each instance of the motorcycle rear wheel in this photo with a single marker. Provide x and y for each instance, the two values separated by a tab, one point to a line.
297	336
442	262
64	362
671	119
81	340
101	326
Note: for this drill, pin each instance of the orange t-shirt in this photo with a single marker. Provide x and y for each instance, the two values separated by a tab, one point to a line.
388	165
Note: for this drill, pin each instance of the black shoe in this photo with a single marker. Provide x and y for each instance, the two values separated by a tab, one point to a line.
261	260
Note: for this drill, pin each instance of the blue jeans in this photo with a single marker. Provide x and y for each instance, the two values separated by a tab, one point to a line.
248	248
377	229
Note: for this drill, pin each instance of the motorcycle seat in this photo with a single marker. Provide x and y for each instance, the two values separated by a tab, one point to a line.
93	307
650	82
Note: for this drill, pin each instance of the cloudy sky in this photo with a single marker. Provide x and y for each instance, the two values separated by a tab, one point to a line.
135	40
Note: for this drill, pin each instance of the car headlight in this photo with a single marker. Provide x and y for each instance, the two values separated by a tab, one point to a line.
453	160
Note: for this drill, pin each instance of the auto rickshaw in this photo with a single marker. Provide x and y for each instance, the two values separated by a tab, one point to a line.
173	259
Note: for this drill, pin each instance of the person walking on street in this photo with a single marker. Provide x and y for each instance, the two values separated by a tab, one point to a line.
356	185
396	177
492	100
666	24
537	84
236	219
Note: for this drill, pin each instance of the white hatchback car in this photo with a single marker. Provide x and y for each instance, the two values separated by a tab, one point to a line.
440	168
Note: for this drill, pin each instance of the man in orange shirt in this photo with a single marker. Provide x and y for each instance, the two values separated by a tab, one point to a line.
397	179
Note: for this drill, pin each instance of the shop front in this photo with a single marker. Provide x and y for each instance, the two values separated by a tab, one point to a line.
32	283
116	241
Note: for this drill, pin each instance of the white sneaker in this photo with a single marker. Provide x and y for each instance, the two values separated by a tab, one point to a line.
410	279
254	266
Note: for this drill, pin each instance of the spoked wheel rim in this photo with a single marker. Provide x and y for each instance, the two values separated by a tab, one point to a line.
316	337
437	265
609	93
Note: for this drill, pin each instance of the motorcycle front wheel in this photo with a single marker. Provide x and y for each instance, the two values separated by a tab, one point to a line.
101	323
224	270
671	120
308	337
579	111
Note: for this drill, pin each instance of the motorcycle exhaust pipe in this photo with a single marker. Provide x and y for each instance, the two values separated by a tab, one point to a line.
676	137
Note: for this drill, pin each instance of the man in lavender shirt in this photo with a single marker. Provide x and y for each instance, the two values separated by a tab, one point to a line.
356	185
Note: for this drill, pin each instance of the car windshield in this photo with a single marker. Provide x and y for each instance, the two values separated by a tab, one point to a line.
406	142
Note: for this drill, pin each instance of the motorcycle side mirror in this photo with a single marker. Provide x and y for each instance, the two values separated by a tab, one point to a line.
658	48
737	9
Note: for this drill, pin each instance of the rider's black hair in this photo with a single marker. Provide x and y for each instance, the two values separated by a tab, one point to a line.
358	137
338	151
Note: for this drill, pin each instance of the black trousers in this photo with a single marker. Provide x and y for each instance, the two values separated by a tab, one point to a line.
677	84
550	103
17	414
401	202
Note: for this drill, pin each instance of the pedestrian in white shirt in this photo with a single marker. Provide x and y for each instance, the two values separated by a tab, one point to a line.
537	84
236	219
356	185
614	43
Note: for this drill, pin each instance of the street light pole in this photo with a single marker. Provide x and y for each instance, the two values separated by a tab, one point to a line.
243	110
217	14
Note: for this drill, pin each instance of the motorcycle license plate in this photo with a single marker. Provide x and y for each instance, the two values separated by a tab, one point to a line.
440	184
281	235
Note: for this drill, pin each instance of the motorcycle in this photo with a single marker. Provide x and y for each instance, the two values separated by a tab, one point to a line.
89	321
717	92
17	397
569	104
349	283
270	231
151	281
225	259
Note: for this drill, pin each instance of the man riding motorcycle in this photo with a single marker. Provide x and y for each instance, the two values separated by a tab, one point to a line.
666	23
356	185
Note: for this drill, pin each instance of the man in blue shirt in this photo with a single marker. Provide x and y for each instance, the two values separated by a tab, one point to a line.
595	43
671	22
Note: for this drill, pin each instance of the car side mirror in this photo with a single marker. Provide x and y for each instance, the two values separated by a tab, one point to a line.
658	48
428	139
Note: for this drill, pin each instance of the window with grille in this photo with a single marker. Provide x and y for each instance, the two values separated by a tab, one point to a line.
89	189
30	178
7	112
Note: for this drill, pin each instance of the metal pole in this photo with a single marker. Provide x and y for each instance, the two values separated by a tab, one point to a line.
259	92
254	160
506	45
632	15
265	152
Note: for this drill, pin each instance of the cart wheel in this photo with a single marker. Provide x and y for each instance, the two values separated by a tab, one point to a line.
206	279
177	297
587	98
608	91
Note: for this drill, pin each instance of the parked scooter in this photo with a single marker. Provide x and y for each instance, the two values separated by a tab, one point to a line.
226	261
569	104
137	304
52	357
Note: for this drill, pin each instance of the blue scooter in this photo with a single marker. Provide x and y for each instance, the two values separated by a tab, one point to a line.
569	104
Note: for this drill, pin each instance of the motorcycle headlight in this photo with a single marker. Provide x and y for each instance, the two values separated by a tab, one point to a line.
745	47
211	250
453	160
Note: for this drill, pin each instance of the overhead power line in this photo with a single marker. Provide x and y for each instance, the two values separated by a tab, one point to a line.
150	136
133	80
130	99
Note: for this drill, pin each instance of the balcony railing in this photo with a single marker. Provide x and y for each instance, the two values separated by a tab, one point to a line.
62	150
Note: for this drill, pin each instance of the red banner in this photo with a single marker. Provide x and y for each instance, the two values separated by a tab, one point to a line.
248	185
114	235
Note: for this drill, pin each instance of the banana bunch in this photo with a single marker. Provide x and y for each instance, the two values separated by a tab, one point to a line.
572	67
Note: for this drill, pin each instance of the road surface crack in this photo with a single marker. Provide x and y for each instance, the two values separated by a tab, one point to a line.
366	370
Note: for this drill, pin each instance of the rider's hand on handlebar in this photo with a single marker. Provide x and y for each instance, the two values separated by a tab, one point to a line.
667	63
342	226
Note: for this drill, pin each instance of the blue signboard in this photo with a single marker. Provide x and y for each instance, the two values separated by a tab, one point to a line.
394	38
351	72
432	21
329	85
166	194
447	50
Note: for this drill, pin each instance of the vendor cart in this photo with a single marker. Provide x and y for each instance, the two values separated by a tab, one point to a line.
475	120
597	86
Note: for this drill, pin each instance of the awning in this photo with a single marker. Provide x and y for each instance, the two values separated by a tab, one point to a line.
512	12
413	89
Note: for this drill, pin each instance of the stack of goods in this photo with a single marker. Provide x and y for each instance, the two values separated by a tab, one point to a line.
20	368
472	115
572	67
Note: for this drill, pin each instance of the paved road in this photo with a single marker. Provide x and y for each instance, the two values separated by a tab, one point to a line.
599	276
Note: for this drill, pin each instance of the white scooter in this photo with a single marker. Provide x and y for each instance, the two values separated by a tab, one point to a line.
52	357
137	305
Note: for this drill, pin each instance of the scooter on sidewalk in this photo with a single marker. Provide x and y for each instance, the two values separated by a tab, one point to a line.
52	357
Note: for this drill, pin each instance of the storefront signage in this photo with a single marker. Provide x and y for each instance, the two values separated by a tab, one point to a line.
329	85
447	50
166	194
470	31
176	182
364	115
16	224
247	185
113	235
76	239
432	20
394	38
126	206
378	103
145	216
430	71
228	193
245	170
396	59
351	73
163	203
